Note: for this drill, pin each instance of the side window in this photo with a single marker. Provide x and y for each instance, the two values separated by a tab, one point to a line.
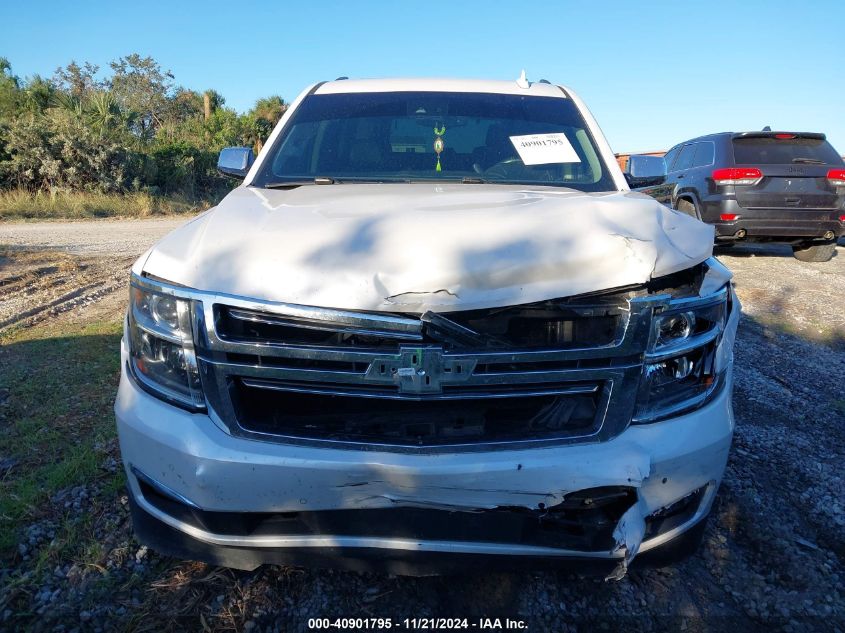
670	157
704	154
685	158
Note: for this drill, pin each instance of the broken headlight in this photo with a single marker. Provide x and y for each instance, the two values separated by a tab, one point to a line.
161	346
679	372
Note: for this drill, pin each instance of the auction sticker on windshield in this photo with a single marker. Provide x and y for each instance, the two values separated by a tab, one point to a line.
541	149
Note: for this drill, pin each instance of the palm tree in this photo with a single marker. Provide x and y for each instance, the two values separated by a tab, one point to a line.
104	112
270	109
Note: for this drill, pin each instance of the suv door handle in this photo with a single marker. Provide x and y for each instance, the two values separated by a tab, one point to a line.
679	176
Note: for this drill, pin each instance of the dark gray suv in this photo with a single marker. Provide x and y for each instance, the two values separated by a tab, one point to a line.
760	186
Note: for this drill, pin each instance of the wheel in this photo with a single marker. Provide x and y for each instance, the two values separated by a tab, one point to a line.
687	208
814	252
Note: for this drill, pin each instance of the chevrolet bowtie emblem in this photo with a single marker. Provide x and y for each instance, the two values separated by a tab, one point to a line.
420	370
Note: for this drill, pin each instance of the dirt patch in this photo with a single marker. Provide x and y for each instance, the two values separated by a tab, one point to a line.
36	285
57	268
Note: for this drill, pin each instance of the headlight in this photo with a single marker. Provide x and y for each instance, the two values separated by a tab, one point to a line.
161	346
679	369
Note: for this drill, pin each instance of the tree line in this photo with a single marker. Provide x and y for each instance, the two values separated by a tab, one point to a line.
134	130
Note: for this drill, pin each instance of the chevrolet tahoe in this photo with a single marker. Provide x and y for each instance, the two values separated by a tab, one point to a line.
432	325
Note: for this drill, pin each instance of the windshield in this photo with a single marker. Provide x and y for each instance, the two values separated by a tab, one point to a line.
436	136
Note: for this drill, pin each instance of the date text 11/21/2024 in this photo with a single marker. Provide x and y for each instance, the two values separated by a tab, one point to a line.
417	624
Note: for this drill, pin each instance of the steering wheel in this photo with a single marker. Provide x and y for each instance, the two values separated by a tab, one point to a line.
503	169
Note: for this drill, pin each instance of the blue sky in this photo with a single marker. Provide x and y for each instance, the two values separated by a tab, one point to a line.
652	73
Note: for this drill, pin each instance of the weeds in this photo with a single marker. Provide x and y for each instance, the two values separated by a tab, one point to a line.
56	419
20	204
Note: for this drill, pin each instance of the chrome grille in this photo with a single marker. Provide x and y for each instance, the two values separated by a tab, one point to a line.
357	359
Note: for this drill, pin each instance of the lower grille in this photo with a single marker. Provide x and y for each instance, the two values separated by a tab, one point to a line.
290	409
584	521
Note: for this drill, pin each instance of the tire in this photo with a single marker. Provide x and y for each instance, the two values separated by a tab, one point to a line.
809	252
687	208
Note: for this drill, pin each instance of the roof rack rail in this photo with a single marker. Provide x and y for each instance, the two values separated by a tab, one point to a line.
342	78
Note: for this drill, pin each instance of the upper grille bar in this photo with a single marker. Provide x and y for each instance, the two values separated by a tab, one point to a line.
350	323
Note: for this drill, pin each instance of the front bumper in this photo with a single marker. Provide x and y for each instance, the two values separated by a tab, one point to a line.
201	470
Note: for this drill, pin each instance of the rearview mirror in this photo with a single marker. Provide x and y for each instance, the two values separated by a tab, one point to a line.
235	161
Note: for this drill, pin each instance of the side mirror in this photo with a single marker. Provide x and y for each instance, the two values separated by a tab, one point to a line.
642	166
235	161
645	170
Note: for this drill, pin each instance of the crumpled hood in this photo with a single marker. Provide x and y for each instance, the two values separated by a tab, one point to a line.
418	247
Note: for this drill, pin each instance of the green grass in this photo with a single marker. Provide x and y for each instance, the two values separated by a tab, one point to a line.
56	423
24	205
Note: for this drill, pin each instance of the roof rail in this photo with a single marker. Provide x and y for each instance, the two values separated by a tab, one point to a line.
342	78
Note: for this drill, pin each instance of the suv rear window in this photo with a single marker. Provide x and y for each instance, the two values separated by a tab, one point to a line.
776	151
434	136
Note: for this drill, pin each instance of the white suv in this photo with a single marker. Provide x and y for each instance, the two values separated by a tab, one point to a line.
433	324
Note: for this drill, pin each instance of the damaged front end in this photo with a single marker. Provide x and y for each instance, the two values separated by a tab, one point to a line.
570	370
536	430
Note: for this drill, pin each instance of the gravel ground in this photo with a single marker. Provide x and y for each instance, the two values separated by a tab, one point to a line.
773	553
50	268
113	237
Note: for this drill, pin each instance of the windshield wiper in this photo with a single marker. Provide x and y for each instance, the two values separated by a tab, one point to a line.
809	161
291	184
474	180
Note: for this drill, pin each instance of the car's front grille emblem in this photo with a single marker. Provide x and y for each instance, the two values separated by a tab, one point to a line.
422	370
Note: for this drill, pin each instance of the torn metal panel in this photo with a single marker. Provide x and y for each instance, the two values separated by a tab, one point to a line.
715	278
629	535
421	247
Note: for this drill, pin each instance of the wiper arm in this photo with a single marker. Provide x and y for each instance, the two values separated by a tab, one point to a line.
292	184
472	180
809	161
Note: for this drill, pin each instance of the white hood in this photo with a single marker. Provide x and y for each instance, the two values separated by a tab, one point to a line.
412	248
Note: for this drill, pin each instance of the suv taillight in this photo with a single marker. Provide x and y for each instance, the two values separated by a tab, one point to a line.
836	177
737	176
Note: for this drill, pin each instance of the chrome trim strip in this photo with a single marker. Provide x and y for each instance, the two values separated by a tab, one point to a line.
328	326
339	376
459	395
689	303
161	488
